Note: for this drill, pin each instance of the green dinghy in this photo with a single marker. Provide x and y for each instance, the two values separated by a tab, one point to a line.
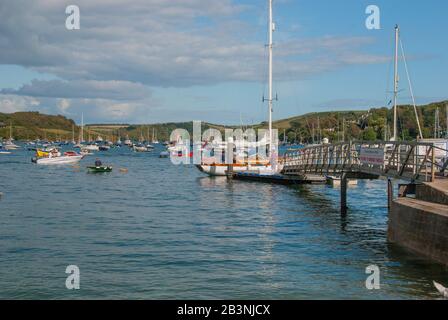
99	169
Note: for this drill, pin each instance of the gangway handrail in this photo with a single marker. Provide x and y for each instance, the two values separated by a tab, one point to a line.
411	160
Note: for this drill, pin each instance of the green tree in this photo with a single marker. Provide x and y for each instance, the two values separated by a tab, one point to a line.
369	134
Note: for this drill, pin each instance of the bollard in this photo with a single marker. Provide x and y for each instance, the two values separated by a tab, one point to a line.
344	194
390	193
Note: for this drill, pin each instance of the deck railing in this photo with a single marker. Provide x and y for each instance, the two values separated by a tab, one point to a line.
414	161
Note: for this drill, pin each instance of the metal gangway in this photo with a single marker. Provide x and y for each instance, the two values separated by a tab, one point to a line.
411	161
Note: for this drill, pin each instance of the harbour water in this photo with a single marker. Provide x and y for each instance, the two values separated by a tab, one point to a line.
161	231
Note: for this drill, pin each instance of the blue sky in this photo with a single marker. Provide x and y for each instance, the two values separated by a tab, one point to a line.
154	61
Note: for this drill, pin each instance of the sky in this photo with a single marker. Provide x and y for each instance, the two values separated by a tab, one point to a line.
150	61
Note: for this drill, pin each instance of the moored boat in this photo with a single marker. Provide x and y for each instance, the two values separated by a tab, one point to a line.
140	148
164	154
54	157
249	163
99	169
2	150
91	147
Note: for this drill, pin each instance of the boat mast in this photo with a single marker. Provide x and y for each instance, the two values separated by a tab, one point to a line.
436	124
270	98
82	128
397	35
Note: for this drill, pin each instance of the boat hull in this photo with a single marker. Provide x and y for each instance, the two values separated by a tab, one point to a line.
99	169
220	170
58	160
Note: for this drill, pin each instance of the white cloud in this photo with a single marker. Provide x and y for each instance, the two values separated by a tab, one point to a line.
125	48
13	103
63	105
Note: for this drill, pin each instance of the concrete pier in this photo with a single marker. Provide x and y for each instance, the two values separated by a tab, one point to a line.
420	224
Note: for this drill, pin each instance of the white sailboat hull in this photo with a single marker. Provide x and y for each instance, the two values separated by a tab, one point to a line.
10	147
221	170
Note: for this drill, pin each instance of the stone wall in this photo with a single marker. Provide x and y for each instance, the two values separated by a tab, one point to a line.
420	226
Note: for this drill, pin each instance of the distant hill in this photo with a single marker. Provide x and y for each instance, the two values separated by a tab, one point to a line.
372	124
32	125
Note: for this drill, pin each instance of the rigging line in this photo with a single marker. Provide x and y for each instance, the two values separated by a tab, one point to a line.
411	91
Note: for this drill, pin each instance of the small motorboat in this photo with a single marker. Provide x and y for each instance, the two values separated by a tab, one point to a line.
104	148
164	154
100	169
54	157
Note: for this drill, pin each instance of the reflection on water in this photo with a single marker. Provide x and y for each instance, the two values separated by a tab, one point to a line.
164	231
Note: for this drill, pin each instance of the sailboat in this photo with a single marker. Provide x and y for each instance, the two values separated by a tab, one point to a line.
127	142
81	134
73	135
259	166
3	152
396	83
154	137
9	145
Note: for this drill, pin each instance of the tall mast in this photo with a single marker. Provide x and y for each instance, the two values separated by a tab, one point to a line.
82	128
270	98
436	124
397	35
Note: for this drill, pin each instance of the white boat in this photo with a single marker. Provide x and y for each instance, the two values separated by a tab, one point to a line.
259	166
85	152
164	154
2	151
9	145
59	160
128	142
154	137
91	147
54	157
140	149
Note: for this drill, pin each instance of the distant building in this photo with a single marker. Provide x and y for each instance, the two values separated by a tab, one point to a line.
2	124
